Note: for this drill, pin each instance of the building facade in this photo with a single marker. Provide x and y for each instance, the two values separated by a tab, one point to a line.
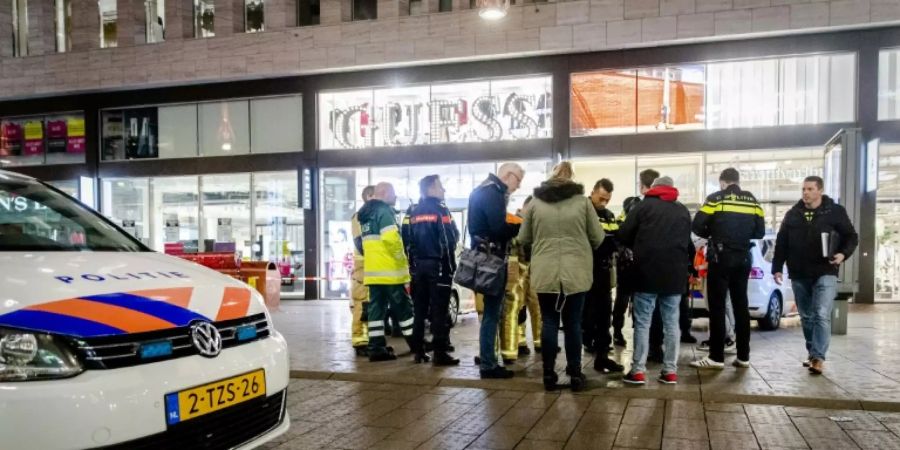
252	126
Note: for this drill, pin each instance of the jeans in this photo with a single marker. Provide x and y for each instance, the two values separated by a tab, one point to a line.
487	337
684	323
727	278
569	308
815	300
644	303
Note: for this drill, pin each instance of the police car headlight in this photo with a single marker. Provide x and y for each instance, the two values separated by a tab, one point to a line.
28	356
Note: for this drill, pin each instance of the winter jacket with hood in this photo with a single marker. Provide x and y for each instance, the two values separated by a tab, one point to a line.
562	228
384	258
799	241
658	230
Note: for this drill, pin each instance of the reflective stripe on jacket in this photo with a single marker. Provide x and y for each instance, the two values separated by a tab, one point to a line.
385	259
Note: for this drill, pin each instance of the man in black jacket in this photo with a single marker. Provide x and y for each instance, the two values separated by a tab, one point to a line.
598	304
729	219
488	228
658	230
432	252
815	237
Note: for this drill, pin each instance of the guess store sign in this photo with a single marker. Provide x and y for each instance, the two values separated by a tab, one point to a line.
480	111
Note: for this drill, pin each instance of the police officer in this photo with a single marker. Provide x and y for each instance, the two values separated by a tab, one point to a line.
729	219
597	309
432	249
385	271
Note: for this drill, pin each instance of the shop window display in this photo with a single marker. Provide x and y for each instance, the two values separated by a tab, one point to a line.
69	187
477	111
889	84
224	128
275	125
278	227
176	220
126	201
225	212
630	101
130	134
887	225
177	131
56	139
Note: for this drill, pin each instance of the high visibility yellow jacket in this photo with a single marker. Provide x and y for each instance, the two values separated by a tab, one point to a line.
384	258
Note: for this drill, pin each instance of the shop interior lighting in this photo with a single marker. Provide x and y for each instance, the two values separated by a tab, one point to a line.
492	9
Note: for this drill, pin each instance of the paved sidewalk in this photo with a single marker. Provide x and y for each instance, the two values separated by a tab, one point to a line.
329	414
863	370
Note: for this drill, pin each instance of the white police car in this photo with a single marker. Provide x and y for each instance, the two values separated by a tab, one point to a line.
104	343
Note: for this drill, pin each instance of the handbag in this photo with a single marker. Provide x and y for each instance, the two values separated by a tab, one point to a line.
482	271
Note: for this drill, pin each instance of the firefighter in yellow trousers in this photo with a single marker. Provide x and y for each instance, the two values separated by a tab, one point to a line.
359	293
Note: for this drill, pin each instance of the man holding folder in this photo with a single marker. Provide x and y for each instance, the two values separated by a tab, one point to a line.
816	236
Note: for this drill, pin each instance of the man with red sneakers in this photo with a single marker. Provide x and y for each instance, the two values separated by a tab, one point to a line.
658	230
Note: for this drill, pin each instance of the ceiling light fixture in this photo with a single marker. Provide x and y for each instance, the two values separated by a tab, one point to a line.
492	9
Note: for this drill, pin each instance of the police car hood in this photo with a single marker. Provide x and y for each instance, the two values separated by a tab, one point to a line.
101	293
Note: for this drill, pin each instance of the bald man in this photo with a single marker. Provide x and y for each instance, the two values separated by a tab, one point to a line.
488	228
385	271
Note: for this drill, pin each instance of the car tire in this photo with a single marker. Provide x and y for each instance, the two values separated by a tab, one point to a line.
772	319
454	308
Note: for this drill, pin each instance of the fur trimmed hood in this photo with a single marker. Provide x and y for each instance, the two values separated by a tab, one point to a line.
556	190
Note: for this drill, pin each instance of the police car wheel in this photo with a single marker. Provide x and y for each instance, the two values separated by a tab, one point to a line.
454	308
772	319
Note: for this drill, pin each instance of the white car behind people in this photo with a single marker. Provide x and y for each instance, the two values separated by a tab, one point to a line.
104	343
768	302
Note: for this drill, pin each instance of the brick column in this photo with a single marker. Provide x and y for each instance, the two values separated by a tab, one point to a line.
393	8
333	12
6	39
41	28
130	23
280	14
179	19
224	20
85	26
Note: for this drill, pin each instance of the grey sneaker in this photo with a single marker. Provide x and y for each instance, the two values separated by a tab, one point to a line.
730	348
741	364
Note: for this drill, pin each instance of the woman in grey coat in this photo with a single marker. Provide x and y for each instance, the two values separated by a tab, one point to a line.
562	229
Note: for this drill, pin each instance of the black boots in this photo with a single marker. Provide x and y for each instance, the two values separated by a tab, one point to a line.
362	350
550	380
576	378
444	359
383	355
618	339
603	364
421	357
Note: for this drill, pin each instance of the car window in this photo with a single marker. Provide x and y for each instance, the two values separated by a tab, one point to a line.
34	217
767	249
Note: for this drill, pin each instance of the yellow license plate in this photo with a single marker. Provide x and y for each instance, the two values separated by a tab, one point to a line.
216	396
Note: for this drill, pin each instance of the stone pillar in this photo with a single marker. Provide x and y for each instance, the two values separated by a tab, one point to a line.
85	26
280	14
392	8
330	11
179	19
130	23
224	20
6	39
41	28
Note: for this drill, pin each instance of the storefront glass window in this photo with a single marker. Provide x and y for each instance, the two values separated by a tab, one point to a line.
224	128
773	176
130	134
57	139
108	23
629	101
276	125
204	18
478	111
742	94
178	131
887	224
818	89
889	84
685	170
176	214
70	187
278	231
126	201
341	191
622	171
226	214
155	14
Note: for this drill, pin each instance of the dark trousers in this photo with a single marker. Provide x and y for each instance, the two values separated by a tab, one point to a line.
623	298
431	299
380	296
656	325
728	275
597	312
568	308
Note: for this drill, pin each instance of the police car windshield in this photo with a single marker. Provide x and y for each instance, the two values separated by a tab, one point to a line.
34	217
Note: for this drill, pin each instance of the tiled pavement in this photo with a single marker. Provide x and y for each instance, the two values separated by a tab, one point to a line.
330	414
863	371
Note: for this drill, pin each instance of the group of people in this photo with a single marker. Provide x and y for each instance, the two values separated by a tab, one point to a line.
566	252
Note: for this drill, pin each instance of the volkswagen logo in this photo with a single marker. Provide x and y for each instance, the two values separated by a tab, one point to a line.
206	339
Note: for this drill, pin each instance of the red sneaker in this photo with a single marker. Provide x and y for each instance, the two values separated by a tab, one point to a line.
668	378
635	378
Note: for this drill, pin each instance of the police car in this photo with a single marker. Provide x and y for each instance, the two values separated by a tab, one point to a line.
768	302
104	343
